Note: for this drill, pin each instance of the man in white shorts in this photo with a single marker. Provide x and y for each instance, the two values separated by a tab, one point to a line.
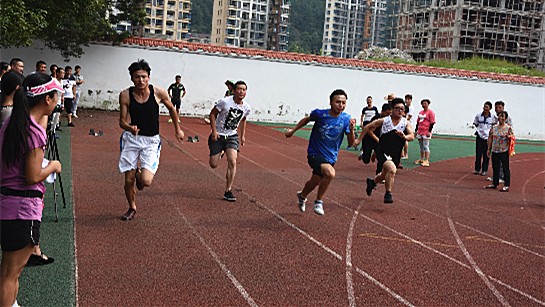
140	142
225	118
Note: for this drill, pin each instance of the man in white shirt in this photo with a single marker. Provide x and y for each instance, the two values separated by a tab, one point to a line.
483	122
409	112
225	118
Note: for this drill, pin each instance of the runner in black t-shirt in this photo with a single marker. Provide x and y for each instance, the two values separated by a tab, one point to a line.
370	140
175	92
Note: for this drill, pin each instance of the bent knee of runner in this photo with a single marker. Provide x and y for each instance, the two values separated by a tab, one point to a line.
328	171
389	167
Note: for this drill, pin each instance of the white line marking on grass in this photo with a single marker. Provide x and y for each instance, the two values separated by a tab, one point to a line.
223	267
349	281
475	267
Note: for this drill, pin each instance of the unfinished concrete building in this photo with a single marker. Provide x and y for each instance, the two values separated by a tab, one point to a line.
456	29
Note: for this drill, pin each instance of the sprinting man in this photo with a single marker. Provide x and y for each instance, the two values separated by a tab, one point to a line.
371	139
226	117
326	137
176	91
395	131
140	141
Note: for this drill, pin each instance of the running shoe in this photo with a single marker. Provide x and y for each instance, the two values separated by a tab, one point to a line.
301	201
388	199
319	207
229	196
371	185
129	215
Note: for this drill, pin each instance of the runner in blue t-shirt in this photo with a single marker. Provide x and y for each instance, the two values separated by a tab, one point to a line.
330	125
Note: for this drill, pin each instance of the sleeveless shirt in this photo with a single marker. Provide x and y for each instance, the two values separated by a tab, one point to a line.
144	115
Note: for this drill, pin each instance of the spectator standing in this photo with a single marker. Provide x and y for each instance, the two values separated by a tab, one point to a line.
483	122
22	141
11	82
424	127
79	82
16	64
498	148
69	86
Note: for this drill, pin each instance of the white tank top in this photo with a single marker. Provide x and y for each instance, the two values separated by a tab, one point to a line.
388	125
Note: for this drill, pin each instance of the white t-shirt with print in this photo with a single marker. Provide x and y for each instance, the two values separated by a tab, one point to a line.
229	116
67	85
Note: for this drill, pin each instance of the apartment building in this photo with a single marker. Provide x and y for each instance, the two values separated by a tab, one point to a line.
375	24
456	29
262	24
167	19
343	28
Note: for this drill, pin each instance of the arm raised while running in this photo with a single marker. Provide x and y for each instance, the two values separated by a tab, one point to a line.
409	137
303	122
351	136
369	128
162	96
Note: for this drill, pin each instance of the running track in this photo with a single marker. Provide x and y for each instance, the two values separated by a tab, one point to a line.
444	242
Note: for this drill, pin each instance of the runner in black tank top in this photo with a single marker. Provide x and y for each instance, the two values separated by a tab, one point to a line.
140	142
144	115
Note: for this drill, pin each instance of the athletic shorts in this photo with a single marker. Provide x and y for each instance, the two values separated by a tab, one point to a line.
176	102
17	234
139	148
222	143
68	105
315	162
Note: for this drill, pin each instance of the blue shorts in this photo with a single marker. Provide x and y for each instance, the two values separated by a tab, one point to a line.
315	162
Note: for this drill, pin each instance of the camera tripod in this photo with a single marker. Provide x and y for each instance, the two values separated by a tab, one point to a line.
53	154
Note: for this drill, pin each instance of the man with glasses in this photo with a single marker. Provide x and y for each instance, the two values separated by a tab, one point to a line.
395	131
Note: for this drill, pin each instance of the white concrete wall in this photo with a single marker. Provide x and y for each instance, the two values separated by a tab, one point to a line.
284	92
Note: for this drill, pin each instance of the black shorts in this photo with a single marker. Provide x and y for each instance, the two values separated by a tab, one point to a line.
17	234
222	144
68	105
177	102
315	162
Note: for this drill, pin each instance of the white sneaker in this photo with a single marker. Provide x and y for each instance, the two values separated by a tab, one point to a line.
319	207
489	179
501	181
301	201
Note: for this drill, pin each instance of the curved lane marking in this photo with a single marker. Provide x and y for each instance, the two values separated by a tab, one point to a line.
349	281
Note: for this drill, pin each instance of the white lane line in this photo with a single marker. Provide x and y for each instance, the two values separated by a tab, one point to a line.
223	267
526	184
349	281
475	267
293	226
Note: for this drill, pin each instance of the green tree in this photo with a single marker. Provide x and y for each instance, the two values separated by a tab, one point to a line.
201	16
66	26
306	26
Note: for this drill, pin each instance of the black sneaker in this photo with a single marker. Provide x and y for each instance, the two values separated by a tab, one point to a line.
371	185
129	215
388	198
229	196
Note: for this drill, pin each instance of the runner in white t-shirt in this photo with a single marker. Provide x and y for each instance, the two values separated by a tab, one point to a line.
225	118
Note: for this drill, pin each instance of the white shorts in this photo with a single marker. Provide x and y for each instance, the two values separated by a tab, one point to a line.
134	148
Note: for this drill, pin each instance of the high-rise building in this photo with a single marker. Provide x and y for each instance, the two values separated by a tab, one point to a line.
167	19
375	24
343	28
259	24
456	29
